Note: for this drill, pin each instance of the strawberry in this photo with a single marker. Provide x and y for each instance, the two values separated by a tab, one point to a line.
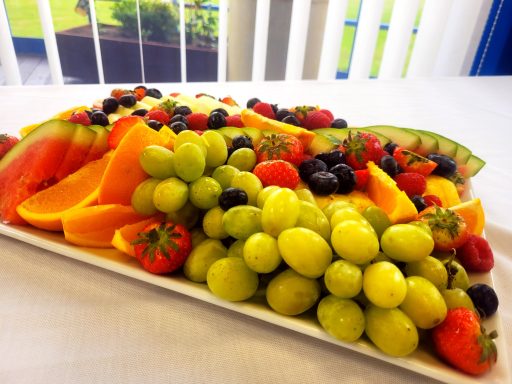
412	162
167	106
162	247
80	118
432	200
174	94
264	109
118	92
197	121
280	147
158	115
316	119
411	183
301	112
327	113
362	176
140	92
461	341
120	128
229	101
6	143
277	172
476	255
361	148
449	230
234	121
204	94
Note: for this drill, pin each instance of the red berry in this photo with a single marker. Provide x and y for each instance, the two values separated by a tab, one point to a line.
327	113
80	118
199	132
234	121
280	147
316	119
158	115
6	143
264	109
432	200
277	172
475	255
197	121
411	183
362	176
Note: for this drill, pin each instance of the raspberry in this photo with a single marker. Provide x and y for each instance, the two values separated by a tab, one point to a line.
361	179
327	113
80	118
432	199
264	109
316	119
158	115
411	183
199	132
197	121
475	255
277	172
234	121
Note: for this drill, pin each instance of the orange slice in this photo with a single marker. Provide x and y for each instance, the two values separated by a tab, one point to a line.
125	235
253	119
95	226
444	189
473	214
382	190
80	189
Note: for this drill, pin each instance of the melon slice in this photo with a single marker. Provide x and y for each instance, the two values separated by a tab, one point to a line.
342	134
405	138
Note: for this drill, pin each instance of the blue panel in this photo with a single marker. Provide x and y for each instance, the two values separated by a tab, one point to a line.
29	45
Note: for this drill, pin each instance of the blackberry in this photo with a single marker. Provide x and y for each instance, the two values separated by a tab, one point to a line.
231	197
128	100
252	102
323	183
182	110
339	123
332	158
446	166
242	141
282	113
346	178
178	117
178	126
389	165
419	203
140	112
484	299
153	92
99	118
110	104
216	120
310	166
155	124
220	110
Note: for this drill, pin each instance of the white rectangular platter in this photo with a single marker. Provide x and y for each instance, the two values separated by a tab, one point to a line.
421	361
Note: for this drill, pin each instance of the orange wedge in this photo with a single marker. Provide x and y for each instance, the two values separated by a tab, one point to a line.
95	226
473	214
125	235
382	190
255	120
444	189
80	189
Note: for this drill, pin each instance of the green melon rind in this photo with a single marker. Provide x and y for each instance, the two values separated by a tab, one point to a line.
428	144
472	166
342	134
405	138
447	146
322	144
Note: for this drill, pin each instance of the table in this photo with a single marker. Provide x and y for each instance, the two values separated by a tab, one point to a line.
64	321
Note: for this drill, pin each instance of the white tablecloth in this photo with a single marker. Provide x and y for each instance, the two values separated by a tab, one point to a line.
64	321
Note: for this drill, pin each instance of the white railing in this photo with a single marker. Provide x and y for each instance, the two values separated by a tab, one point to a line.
446	41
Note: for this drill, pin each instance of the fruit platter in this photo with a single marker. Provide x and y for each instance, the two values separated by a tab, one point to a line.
369	238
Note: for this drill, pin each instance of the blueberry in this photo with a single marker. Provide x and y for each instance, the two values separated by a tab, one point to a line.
178	117
178	126
182	110
216	120
339	123
310	166
140	112
282	113
389	165
220	110
99	118
346	177
323	183
484	299
252	102
242	141
110	104
89	113
231	197
332	158
446	166
153	92
390	147
155	124
231	150
128	100
419	202
291	119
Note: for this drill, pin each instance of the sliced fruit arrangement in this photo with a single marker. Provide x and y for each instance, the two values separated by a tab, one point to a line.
288	200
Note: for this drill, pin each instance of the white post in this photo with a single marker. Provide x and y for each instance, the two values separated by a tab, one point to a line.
297	40
183	43
222	61
96	39
50	41
7	52
259	56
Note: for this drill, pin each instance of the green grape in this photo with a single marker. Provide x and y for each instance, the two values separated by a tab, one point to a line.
381	256
231	279
431	269
201	258
212	224
188	215
355	241
189	162
457	275
457	297
170	195
261	253
236	249
204	192
341	318
423	225
243	158
333	206
391	330
305	194
217	151
347	213
142	197
250	183
312	217
280	211
157	161
305	251
406	242
343	279
189	136
378	219
242	221
197	234
264	193
384	284
224	175
423	303
290	293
